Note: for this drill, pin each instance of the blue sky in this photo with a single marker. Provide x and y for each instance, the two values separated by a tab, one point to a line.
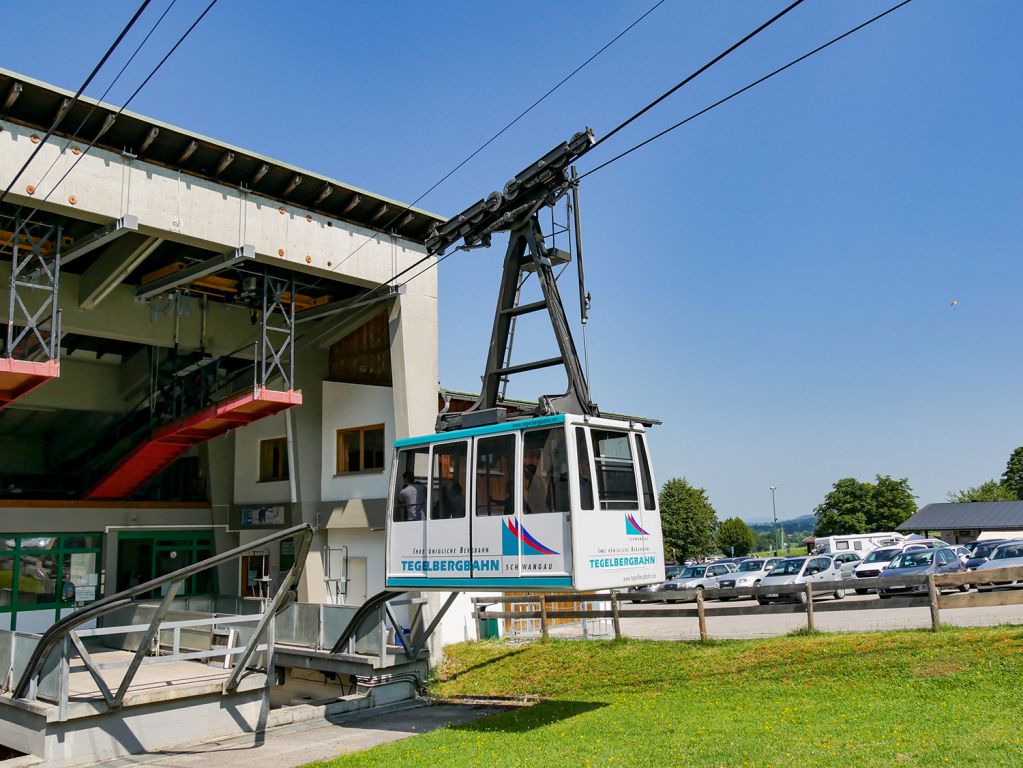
773	281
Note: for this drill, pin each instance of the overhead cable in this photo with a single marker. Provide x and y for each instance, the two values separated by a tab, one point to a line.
123	107
689	78
805	56
103	95
497	135
745	88
64	110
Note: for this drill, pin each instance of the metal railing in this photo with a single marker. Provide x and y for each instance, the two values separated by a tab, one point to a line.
926	592
65	634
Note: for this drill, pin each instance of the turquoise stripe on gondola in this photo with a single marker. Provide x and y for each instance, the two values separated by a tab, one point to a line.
490	429
551	581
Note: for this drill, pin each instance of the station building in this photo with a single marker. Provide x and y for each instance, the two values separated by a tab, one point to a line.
200	345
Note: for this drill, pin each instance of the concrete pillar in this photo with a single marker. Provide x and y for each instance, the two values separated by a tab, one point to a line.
413	325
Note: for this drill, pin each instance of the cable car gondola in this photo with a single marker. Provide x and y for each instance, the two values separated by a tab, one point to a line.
562	499
558	503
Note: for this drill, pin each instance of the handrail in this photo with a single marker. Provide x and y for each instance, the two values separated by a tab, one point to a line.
359	617
103	606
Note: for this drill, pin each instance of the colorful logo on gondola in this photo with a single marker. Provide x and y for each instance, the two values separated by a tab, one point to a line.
632	528
513	533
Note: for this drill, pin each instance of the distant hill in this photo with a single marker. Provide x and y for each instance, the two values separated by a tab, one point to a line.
803	523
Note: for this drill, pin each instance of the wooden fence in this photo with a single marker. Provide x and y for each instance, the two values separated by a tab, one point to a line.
929	594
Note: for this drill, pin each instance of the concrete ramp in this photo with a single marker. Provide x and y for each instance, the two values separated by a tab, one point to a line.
158	711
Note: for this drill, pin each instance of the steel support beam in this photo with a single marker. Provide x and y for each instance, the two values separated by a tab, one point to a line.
90	665
347	305
147	639
332	329
420	642
196	271
276	605
99	238
112	267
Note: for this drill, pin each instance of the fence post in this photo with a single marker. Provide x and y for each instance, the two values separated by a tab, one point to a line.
543	616
809	607
932	594
615	619
701	615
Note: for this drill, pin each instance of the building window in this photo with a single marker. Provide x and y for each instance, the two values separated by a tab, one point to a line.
42	572
360	449
273	460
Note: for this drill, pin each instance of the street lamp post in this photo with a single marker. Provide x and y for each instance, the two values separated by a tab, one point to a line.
774	509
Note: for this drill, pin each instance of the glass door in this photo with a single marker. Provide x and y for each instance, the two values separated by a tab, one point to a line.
496	503
447	530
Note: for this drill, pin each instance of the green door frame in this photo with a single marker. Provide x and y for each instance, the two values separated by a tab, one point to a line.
58	553
191	540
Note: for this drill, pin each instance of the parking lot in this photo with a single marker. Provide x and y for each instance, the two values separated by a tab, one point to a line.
765	625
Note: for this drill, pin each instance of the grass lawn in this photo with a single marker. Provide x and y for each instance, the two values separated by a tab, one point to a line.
909	698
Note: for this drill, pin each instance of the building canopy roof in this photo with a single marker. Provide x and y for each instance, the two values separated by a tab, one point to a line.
35	104
981	515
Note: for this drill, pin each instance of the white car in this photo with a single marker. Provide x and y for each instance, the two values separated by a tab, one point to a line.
1008	555
697	577
871	566
800	570
748	575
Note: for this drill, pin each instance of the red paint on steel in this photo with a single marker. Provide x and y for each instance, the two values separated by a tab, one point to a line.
19	377
172	440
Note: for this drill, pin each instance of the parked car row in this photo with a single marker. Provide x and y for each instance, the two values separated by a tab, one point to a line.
912	558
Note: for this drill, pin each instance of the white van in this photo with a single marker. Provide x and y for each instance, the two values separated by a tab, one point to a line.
861	543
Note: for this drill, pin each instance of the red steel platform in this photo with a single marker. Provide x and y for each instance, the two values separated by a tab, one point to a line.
169	442
19	377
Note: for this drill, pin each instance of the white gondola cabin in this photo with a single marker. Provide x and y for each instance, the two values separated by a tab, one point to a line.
558	503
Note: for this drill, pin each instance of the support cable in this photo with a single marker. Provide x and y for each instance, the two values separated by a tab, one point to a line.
91	144
694	75
370	292
745	88
61	113
497	135
92	108
615	130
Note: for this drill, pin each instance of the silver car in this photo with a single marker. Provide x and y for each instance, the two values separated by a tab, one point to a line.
800	570
748	575
697	577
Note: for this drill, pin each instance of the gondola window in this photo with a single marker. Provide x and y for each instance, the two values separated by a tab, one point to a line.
545	471
410	478
616	476
447	491
585	476
644	472
495	476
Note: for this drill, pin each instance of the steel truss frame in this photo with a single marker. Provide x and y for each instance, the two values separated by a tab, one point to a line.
277	345
527	252
35	281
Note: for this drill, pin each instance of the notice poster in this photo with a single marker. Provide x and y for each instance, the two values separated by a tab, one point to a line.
265	516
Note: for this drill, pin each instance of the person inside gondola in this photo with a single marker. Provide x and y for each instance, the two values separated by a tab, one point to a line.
412	498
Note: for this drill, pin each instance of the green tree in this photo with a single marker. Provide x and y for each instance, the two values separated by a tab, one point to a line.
992	490
688	520
893	503
1013	477
766	540
846	508
735	538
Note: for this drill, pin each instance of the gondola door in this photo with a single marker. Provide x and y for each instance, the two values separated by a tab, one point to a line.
447	530
542	530
496	507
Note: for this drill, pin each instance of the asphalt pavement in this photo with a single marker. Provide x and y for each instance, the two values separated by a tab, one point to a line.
295	745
